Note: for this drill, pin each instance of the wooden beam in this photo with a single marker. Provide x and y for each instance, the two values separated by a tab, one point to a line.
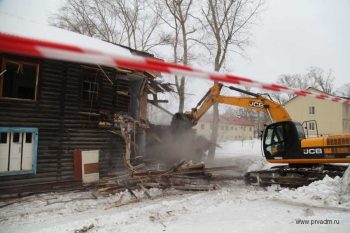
158	101
161	108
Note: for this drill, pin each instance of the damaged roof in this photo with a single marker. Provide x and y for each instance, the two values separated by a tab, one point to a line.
14	25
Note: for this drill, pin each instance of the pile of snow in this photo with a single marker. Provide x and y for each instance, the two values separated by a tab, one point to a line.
259	164
324	193
345	182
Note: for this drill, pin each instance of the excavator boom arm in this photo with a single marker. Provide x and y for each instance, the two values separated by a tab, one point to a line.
257	102
273	109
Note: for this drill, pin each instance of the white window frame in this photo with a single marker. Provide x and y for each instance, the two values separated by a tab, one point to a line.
23	131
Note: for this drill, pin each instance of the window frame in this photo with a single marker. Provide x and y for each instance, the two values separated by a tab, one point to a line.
312	126
4	61
85	102
312	110
274	138
35	132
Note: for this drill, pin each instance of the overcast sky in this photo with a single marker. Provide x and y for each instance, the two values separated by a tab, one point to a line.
294	35
289	37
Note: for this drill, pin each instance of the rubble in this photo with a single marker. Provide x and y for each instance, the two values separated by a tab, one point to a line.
166	146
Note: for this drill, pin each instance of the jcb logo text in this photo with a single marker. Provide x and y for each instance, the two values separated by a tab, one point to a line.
312	151
256	104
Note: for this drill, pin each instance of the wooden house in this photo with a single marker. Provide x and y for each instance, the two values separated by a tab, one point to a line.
47	112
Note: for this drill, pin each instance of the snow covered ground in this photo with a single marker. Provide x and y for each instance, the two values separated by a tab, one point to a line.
235	207
239	148
246	155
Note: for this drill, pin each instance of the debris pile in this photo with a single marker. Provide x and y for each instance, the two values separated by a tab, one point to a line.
165	147
182	176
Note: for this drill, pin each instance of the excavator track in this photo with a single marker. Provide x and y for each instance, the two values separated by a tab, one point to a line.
287	176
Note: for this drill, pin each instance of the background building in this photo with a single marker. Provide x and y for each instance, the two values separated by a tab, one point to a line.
331	117
230	128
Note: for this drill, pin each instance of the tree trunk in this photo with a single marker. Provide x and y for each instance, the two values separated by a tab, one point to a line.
182	95
185	62
214	132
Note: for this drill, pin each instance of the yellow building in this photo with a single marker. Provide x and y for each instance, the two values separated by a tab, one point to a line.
331	117
230	128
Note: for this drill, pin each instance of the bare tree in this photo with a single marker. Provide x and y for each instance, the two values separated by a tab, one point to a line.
315	77
345	90
177	18
75	15
226	27
118	21
297	81
322	80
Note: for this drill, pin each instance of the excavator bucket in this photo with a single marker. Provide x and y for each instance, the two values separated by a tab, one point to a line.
181	122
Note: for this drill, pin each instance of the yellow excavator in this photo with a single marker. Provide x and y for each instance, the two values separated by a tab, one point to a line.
283	142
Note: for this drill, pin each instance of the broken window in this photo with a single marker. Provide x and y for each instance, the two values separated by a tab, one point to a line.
90	86
19	80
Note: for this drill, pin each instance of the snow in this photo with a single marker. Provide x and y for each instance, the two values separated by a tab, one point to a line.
345	182
15	25
246	155
233	208
238	148
326	192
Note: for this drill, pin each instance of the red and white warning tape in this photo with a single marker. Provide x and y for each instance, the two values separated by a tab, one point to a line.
46	49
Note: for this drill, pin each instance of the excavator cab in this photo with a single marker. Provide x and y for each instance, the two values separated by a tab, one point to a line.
282	140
